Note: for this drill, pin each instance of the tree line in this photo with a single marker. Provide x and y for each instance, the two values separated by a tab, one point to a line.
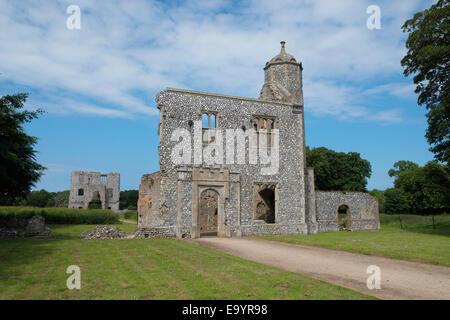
417	189
45	199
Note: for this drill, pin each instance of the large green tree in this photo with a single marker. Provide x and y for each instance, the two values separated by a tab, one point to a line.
396	201
128	199
19	170
428	59
338	170
427	187
401	166
41	198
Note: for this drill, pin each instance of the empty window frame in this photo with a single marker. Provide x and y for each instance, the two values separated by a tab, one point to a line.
263	127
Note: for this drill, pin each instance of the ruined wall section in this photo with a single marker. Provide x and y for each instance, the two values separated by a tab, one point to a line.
311	216
112	191
363	210
181	108
153	212
87	187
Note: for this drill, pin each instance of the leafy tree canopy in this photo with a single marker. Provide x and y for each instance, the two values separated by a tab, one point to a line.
396	201
128	199
400	166
427	187
338	170
40	198
19	170
428	59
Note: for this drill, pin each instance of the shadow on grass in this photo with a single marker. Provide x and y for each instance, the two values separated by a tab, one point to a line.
17	252
440	228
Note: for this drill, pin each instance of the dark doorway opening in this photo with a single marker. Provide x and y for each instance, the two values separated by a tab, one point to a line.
265	208
344	218
95	201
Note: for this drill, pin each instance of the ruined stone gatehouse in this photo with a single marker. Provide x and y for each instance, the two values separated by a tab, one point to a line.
94	189
234	166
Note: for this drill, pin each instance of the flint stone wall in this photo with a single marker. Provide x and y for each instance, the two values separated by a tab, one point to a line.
33	227
91	182
181	108
363	210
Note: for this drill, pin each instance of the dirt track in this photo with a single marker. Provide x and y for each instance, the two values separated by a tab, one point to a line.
399	279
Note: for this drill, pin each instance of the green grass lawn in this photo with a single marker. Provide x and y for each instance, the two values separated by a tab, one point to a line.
416	241
144	269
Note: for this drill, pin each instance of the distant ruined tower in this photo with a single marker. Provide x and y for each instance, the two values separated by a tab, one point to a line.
88	188
283	79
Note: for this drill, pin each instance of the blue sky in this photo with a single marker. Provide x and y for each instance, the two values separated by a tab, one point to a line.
98	84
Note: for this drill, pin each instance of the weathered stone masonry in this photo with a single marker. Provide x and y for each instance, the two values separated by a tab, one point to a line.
192	200
94	187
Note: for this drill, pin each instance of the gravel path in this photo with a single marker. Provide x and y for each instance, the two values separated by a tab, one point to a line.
399	279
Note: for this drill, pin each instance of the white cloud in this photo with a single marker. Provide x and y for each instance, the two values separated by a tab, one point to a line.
126	51
400	90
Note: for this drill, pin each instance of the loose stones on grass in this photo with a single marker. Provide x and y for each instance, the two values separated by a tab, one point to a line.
104	232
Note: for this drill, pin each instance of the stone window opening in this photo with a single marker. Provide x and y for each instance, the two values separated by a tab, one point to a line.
263	127
209	125
103	178
344	217
81	192
265	204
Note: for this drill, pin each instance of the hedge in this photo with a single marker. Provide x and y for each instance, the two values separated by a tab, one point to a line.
60	215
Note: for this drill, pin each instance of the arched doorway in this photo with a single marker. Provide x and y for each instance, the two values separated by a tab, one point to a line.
95	202
208	213
344	218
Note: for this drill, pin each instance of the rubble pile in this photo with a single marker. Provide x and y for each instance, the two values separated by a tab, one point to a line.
104	232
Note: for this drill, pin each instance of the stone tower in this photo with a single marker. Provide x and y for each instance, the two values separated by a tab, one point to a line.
93	187
283	82
283	79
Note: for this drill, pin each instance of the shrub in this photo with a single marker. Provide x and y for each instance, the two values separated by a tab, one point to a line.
59	215
131	214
